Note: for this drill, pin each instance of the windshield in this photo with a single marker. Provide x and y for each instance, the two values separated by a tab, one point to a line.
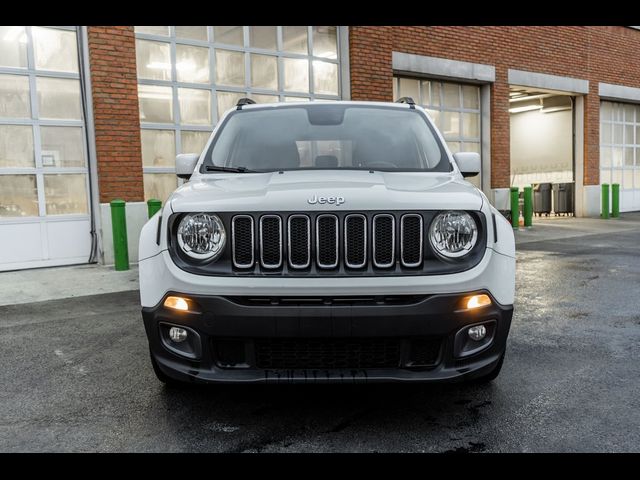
327	137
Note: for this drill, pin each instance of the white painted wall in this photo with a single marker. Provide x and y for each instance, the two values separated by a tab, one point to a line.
541	147
136	214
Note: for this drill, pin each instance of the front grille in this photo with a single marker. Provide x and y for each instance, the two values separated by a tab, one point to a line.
327	242
305	353
411	234
299	241
270	241
383	240
355	240
242	240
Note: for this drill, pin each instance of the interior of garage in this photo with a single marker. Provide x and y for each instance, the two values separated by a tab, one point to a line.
542	147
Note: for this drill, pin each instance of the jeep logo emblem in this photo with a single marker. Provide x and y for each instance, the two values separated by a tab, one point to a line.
337	201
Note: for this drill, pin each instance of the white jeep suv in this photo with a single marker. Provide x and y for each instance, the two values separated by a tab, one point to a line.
327	242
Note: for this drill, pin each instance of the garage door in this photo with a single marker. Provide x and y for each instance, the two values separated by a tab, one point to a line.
44	201
620	151
454	107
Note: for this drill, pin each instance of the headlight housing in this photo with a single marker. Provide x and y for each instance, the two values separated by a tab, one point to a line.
453	234
201	236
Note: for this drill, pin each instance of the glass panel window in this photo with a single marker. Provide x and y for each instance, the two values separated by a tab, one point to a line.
228	35
230	68
605	175
152	30
195	106
628	156
62	147
18	196
296	99
260	98
264	72
65	193
605	132
192	64
605	156
471	125
325	78
16	146
262	37
296	74
158	148
153	60
450	125
156	104
606	111
55	49
451	95
192	33
410	88
14	96
13	47
470	97
59	98
227	100
194	142
159	185
325	42
295	39
617	133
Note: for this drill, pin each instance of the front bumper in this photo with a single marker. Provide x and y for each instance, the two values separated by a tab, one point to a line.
402	321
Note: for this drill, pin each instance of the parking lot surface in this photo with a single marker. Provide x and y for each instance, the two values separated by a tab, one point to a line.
76	375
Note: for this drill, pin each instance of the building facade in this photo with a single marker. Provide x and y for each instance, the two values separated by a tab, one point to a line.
92	114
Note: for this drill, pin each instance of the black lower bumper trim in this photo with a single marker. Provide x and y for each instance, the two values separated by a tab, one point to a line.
332	341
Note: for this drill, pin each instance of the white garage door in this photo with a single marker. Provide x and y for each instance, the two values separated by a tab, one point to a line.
620	151
454	107
44	201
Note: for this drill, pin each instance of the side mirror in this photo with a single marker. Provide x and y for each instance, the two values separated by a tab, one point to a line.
186	164
468	163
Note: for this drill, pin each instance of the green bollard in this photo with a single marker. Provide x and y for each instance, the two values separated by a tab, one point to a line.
528	206
605	200
615	200
515	208
119	229
153	205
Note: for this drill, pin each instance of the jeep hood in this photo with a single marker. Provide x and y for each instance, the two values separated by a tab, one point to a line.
290	190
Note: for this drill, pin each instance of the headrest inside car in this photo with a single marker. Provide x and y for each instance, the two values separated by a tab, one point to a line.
326	161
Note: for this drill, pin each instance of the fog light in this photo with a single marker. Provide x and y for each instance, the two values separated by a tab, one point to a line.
177	303
177	334
476	333
477	301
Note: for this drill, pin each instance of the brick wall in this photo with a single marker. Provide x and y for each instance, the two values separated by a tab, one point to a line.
596	53
115	109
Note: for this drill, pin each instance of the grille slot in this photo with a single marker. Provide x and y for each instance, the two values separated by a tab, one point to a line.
384	239
299	241
271	241
355	241
411	238
305	353
327	241
242	241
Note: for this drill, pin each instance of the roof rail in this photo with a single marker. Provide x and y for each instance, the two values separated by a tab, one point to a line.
407	100
244	101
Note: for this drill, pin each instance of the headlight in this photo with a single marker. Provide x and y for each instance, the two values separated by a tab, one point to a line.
201	236
453	234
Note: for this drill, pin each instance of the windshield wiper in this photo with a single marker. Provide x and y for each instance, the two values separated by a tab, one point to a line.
215	168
